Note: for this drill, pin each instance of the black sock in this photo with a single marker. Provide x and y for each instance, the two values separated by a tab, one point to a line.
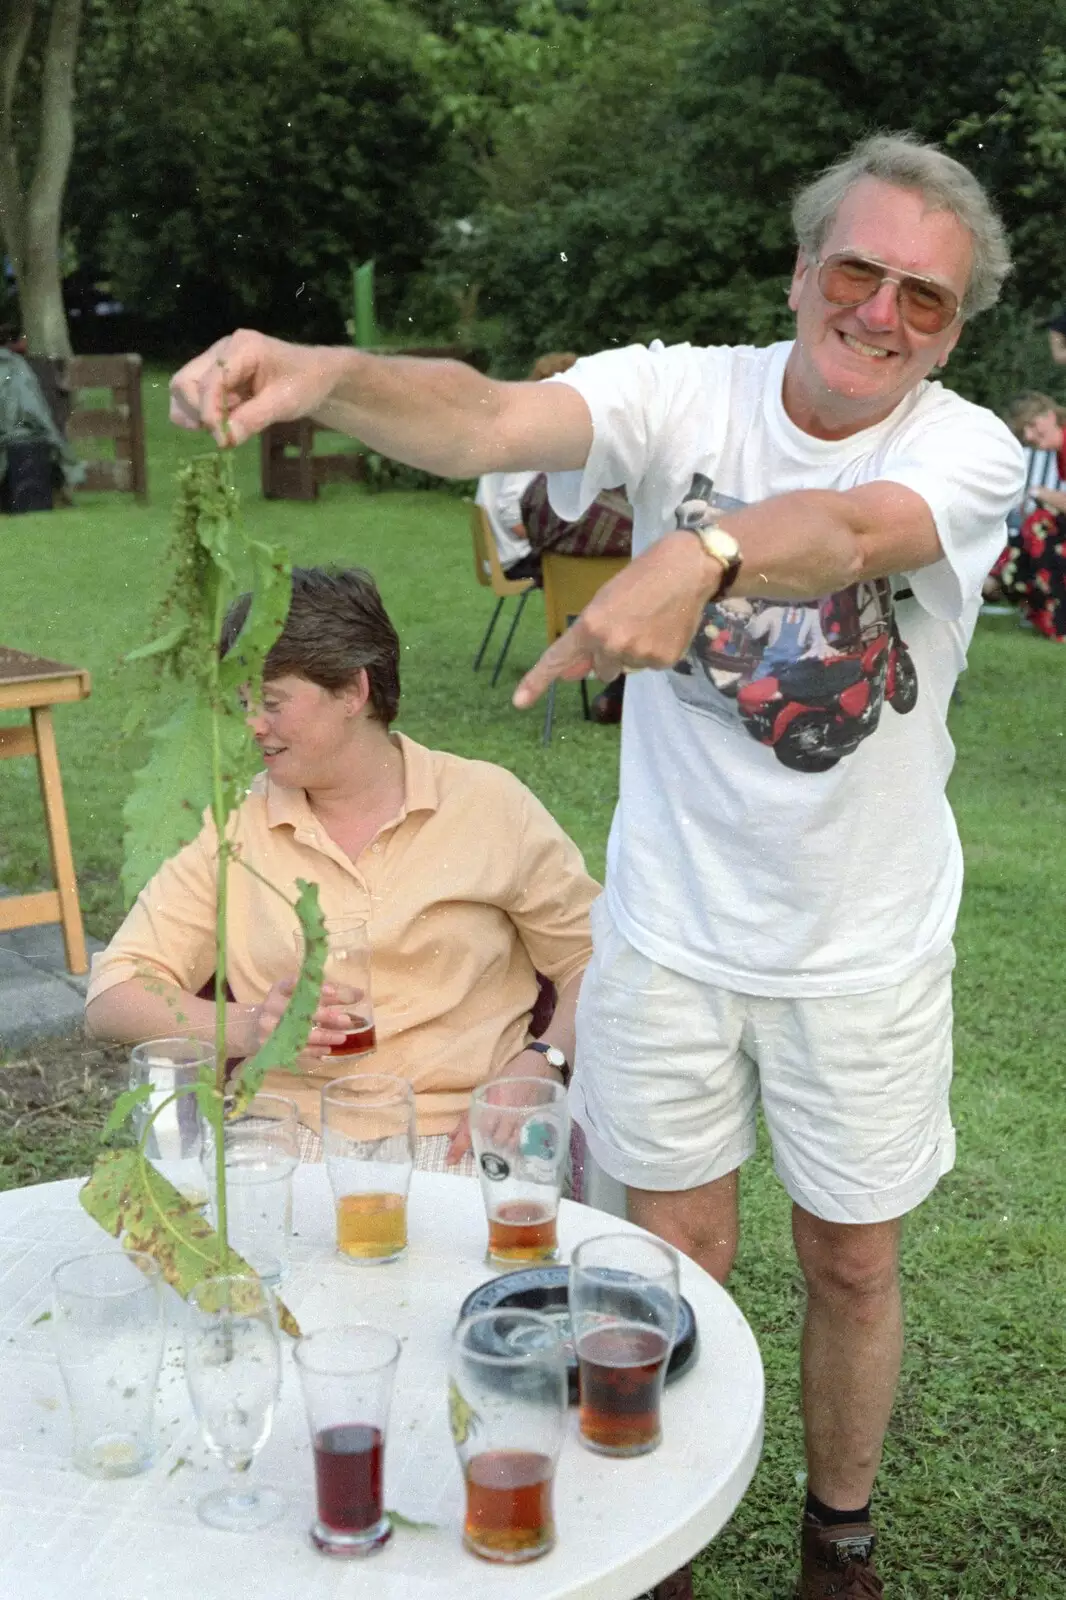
829	1516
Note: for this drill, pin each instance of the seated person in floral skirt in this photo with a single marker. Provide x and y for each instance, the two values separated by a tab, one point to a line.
469	886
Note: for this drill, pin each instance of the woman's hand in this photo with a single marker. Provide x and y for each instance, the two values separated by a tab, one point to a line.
331	1023
526	1064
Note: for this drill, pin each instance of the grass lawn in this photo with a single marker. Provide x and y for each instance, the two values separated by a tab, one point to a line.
973	1496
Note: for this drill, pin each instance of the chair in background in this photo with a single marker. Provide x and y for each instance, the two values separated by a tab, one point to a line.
120	424
569	584
492	576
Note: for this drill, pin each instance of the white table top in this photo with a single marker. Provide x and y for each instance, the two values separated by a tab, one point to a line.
622	1525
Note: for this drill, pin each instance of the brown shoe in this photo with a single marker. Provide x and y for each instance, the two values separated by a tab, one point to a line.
839	1561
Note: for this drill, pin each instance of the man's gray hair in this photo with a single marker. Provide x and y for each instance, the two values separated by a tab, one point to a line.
944	183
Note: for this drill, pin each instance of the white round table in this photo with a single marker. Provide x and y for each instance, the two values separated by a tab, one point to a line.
622	1525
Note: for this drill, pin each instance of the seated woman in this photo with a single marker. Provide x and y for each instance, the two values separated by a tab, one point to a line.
469	887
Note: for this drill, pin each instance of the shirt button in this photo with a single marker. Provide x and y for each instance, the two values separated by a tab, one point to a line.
376	848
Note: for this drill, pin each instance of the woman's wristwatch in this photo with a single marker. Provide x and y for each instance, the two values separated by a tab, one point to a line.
554	1057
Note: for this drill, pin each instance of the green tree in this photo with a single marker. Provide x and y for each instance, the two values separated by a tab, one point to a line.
38	50
231	172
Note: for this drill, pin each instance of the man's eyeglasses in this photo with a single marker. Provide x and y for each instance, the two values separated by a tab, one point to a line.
849	280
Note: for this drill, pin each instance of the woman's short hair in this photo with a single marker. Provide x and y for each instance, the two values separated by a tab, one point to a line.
945	185
554	362
337	626
1025	408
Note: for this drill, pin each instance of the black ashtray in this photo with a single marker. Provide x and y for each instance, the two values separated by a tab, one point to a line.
546	1289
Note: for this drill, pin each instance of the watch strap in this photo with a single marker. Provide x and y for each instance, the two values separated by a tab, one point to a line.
556	1058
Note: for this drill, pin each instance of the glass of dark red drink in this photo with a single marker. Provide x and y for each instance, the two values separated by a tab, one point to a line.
346	1374
507	1400
623	1310
346	982
520	1130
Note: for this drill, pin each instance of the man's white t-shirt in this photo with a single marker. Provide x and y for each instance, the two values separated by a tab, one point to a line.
500	494
782	825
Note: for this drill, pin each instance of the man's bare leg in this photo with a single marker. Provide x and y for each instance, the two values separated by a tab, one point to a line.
702	1222
852	1346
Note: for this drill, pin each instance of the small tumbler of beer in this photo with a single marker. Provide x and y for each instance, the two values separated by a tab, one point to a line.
346	1374
507	1400
368	1141
346	982
623	1310
520	1130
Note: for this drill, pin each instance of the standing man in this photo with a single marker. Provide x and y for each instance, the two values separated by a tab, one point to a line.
784	870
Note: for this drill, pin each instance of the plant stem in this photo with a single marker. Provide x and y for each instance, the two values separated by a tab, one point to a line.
218	808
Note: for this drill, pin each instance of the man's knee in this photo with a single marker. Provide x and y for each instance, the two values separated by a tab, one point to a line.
700	1222
854	1262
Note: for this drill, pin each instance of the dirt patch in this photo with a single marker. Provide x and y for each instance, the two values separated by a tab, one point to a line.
54	1100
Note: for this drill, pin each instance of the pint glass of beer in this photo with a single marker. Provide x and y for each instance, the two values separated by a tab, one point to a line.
346	1374
623	1310
368	1141
507	1400
347	973
520	1130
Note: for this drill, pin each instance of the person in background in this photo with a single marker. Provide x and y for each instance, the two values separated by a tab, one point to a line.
1056	334
471	890
500	493
1031	570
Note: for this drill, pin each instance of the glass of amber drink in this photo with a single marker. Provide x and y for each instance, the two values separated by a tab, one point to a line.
623	1310
368	1140
520	1130
347	976
507	1399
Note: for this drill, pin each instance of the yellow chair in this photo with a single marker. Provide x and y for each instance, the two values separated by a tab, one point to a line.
569	584
491	575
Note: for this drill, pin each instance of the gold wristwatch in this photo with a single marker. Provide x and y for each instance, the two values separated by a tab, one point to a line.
724	549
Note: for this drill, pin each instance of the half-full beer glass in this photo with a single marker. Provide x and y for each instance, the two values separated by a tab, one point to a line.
507	1402
520	1130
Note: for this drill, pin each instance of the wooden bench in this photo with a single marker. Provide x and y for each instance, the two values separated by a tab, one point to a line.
36	684
122	422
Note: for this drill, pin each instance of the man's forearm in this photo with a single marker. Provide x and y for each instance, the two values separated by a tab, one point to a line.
795	546
437	415
814	542
142	1009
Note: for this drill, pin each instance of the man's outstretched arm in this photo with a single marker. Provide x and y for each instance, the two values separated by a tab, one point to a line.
442	416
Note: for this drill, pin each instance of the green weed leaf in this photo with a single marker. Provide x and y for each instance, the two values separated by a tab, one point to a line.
289	1037
126	1103
165	807
132	1201
158	647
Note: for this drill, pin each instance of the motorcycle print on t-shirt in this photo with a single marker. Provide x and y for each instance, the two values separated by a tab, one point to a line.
806	677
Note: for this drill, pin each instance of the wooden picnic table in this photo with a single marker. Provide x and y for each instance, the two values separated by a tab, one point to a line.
36	684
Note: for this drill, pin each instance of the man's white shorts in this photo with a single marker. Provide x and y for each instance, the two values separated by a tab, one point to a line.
854	1087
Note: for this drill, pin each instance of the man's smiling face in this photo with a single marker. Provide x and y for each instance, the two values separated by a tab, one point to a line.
852	365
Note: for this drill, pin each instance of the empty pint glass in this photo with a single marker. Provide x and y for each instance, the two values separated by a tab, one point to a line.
520	1130
108	1326
623	1309
346	1374
262	1153
169	1066
368	1141
507	1401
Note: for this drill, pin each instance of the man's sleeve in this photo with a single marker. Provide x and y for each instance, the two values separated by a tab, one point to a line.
970	470
638	398
169	933
551	894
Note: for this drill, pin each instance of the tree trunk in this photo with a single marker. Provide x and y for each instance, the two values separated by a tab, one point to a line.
16	20
35	222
